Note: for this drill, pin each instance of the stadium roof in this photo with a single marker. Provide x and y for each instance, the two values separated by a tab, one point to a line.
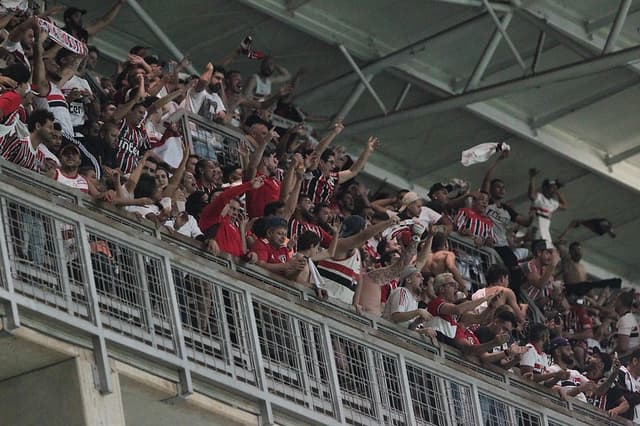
561	87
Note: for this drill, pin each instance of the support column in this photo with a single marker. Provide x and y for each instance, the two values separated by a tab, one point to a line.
62	394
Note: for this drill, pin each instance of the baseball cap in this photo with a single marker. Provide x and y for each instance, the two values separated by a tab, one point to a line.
73	10
68	147
352	225
558	342
439	186
406	273
549	182
408	198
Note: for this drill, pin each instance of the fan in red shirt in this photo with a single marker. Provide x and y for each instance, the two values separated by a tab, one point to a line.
221	221
474	222
15	78
273	254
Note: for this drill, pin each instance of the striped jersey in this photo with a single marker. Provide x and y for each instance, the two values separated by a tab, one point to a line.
298	227
20	151
343	271
320	188
132	143
57	104
534	292
480	226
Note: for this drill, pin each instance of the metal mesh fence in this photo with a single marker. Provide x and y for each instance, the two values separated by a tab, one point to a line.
212	142
132	292
460	400
44	258
294	359
215	326
427	391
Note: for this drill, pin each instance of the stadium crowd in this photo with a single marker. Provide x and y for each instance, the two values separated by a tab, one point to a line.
293	205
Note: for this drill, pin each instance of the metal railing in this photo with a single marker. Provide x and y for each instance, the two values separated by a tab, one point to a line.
151	301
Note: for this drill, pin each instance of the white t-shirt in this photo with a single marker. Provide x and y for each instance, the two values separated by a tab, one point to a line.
575	379
203	103
400	300
501	217
426	218
543	208
76	109
632	384
539	361
144	210
189	229
628	326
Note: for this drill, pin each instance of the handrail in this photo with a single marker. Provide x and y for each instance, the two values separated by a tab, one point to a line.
238	328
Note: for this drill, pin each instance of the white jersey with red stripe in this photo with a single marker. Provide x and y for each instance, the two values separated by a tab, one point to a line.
77	181
20	151
57	104
343	271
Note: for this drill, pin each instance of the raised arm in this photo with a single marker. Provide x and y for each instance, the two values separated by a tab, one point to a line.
562	202
39	76
533	191
324	143
357	167
256	156
176	178
292	200
486	181
362	237
104	21
425	253
382	276
124	109
331	251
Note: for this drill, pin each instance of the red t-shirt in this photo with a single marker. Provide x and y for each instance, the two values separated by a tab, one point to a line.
267	253
462	333
257	199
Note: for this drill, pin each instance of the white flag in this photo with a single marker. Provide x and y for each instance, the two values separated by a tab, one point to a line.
481	153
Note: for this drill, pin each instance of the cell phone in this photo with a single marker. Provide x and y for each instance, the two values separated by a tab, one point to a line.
580	301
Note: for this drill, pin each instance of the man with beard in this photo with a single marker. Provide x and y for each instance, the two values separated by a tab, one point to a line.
303	221
259	86
563	360
21	40
24	151
74	26
208	176
204	99
539	273
534	364
236	100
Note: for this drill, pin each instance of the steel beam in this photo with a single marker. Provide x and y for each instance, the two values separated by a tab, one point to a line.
595	24
618	23
158	32
402	97
551	116
500	7
566	72
329	29
364	80
352	99
488	53
503	31
388	60
614	159
539	49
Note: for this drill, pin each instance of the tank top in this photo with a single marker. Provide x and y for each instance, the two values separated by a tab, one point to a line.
77	181
343	271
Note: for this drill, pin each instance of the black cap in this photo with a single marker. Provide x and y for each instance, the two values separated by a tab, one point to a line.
17	72
73	10
437	187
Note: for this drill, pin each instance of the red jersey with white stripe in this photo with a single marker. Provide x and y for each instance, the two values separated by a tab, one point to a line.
132	143
76	181
267	253
480	226
320	188
298	227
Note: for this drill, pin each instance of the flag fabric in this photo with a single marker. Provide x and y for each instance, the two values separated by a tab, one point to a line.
482	152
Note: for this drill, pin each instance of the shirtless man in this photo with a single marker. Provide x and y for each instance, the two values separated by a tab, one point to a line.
498	282
442	260
368	291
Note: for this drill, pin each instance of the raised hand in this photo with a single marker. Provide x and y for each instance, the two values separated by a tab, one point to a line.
372	143
257	182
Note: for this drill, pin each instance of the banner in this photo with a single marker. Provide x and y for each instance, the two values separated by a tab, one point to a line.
63	38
